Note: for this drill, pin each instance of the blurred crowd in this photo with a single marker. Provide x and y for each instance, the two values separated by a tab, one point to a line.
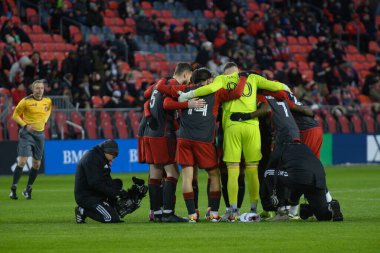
255	42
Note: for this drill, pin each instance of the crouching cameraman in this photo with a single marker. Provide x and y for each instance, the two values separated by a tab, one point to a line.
98	196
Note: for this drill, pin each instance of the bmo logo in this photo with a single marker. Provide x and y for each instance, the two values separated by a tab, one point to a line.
373	148
72	156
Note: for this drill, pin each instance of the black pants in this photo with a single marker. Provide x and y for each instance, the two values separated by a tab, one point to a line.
288	193
102	212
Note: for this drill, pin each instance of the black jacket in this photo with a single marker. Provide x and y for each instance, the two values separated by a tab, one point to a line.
93	182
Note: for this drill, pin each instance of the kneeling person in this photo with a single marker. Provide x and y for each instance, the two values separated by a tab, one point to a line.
98	195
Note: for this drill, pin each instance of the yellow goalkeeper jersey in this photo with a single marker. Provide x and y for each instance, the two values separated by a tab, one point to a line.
247	102
30	111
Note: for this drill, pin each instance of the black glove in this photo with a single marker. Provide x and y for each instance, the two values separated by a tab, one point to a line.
238	116
152	122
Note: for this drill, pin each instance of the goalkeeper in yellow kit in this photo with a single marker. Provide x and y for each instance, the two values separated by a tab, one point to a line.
239	137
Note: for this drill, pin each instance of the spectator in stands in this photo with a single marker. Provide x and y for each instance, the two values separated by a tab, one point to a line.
281	52
376	68
264	55
205	54
132	47
84	61
70	64
234	17
94	17
319	74
144	26
295	78
80	11
9	57
374	89
115	101
163	35
189	35
56	88
16	73
38	65
338	51
126	9
356	28
255	26
18	93
211	32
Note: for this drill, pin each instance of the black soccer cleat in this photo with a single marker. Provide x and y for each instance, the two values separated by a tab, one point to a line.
172	218
305	211
79	216
157	217
27	192
335	209
13	194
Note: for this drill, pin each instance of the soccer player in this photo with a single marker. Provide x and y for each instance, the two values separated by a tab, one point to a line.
196	139
31	113
160	146
240	137
292	166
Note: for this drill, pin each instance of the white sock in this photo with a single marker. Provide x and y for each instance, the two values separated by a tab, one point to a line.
254	207
157	212
328	197
293	210
234	206
167	211
214	213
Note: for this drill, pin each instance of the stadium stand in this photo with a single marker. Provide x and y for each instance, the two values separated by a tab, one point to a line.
129	48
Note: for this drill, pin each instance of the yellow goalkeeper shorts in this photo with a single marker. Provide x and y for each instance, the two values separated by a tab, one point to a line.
242	138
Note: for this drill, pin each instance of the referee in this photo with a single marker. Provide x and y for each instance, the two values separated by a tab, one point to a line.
31	113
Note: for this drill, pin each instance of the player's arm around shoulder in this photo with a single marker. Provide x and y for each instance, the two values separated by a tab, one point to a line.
265	84
225	94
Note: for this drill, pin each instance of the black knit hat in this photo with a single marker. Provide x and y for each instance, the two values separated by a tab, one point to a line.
110	147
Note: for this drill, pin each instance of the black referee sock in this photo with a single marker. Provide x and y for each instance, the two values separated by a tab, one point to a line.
32	176
196	193
241	191
224	179
17	175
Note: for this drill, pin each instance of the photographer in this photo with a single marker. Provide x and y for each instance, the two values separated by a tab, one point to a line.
98	195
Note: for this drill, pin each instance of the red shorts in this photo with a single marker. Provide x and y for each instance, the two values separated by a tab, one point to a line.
313	138
199	153
160	150
141	149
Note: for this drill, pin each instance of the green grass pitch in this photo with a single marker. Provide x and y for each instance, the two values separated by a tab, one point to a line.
46	223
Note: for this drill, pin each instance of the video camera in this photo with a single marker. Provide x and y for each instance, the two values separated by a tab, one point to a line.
132	200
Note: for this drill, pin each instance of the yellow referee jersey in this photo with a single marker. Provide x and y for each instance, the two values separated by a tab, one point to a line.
30	111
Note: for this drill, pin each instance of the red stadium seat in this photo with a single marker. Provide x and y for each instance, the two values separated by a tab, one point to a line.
208	14
106	127
47	131
352	49
90	127
106	99
1	132
135	122
331	124
76	119
58	38
113	5
60	120
302	66
26	47
312	40
303	40
292	40
27	29
356	124
219	14
119	116
369	123
373	47
166	14
105	116
97	102
122	129
37	29
110	13
12	128
146	5
344	124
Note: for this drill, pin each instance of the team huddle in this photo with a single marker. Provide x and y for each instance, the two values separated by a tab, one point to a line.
224	126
